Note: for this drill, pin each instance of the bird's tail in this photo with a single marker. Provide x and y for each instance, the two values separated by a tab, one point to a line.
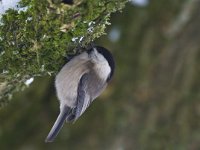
58	124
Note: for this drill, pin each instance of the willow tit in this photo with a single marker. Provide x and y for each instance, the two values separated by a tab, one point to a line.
79	82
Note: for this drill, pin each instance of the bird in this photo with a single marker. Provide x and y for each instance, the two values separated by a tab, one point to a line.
79	83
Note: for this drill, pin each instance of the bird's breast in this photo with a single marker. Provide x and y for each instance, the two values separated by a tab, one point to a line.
66	83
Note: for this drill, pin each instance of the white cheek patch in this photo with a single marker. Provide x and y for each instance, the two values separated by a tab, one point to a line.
103	70
101	66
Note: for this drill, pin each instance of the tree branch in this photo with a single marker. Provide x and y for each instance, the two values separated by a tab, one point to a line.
33	42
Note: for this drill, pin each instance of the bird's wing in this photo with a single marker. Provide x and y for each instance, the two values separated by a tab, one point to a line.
88	89
83	98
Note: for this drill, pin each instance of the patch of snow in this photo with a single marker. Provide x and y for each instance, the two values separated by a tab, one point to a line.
7	4
42	68
90	23
90	29
29	81
5	71
74	39
81	38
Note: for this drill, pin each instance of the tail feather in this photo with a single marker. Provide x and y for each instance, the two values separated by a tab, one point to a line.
58	125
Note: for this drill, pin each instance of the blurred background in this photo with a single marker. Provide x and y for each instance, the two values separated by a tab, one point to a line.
153	101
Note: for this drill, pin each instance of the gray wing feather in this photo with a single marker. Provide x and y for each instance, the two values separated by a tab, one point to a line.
83	99
90	87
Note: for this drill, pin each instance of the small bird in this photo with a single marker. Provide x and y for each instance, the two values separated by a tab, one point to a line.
79	82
